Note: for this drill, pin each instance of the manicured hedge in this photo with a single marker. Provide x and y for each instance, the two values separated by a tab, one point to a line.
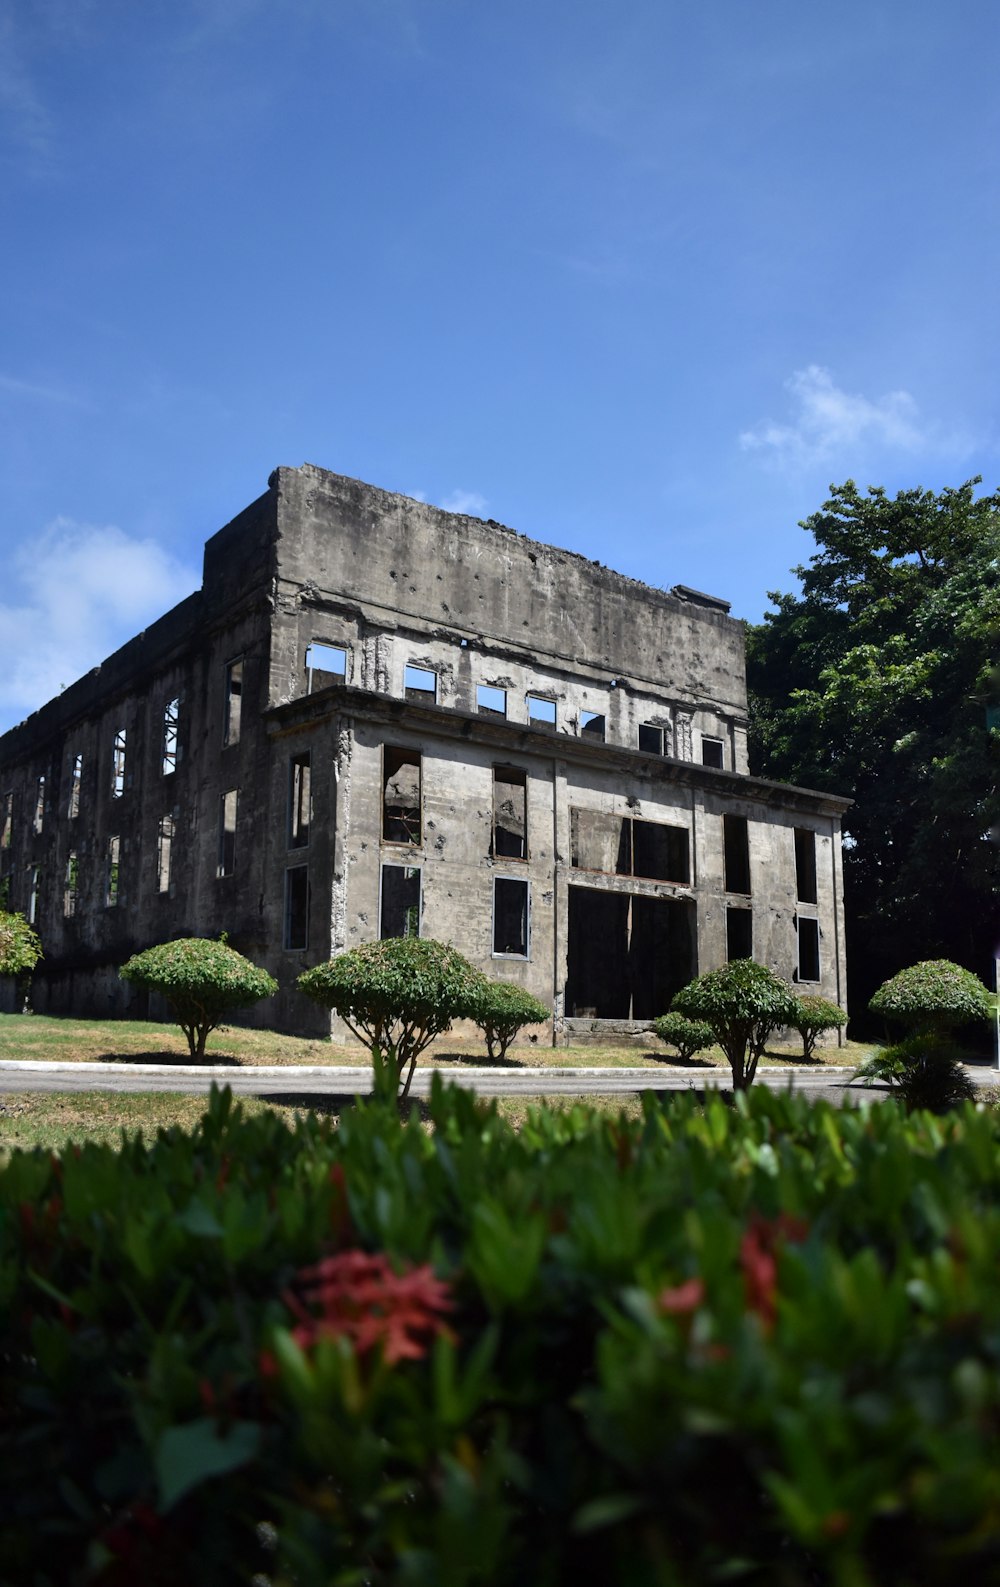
756	1344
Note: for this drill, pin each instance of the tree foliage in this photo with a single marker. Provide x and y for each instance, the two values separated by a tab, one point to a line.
877	681
742	1003
202	980
934	995
20	948
686	1036
396	995
502	1010
814	1015
925	1072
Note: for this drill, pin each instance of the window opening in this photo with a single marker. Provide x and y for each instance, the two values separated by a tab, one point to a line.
399	908
592	724
39	818
808	934
234	702
325	664
510	813
401	795
118	765
510	917
541	712
34	888
420	684
297	908
112	873
651	739
627	955
171	723
76	778
491	701
739	933
72	885
227	832
736	853
626	846
805	866
8	821
164	852
299	800
712	752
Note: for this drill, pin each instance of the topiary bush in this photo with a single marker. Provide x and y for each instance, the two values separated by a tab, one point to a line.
934	995
396	995
813	1015
502	1010
686	1036
202	980
743	1002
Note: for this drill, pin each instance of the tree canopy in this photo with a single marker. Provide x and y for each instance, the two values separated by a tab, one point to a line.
742	1003
933	996
20	948
880	680
202	980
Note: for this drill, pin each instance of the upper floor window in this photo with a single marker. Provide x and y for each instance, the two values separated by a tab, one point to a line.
401	795
420	683
171	724
34	890
325	664
541	711
627	846
7	832
805	866
511	917
593	725
510	813
75	779
712	752
112	872
227	833
653	740
399	903
71	889
233	702
736	854
164	852
39	818
297	908
299	800
491	701
118	765
807	931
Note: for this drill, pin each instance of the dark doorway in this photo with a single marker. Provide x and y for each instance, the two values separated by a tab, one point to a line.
628	954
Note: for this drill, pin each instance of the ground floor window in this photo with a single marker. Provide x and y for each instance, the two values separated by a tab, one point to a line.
808	934
297	907
739	933
627	954
510	917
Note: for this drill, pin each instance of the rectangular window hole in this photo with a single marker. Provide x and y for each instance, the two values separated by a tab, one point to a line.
736	854
808	935
297	908
510	917
593	725
491	701
299	800
510	813
739	933
420	684
325	665
399	907
805	866
542	712
401	795
712	752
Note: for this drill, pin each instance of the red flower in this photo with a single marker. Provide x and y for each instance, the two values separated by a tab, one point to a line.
683	1299
360	1297
759	1261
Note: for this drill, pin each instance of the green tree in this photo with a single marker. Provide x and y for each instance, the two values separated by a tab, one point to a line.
396	995
202	980
934	996
686	1036
742	1003
877	681
813	1015
20	951
503	1009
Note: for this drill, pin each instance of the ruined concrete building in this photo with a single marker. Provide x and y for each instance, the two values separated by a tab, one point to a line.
379	718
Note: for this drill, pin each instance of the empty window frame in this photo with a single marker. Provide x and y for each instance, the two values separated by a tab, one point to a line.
171	724
297	908
7	833
228	803
736	854
491	701
420	684
75	780
325	665
712	753
399	904
805	866
38	821
72	885
652	739
118	764
112	872
164	852
807	929
739	933
511	923
541	712
34	891
626	846
401	795
593	725
510	813
299	800
233	705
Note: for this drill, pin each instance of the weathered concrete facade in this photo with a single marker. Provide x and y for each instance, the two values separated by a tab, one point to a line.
376	715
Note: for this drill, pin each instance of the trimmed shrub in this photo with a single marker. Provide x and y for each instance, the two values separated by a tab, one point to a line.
396	995
743	1002
934	995
202	980
20	947
686	1036
502	1010
758	1343
925	1071
813	1015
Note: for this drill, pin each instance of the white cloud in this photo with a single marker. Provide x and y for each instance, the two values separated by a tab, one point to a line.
25	388
466	501
826	421
73	596
21	106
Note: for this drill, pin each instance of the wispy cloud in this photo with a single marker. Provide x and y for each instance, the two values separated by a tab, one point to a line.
27	388
74	595
827	421
466	501
21	106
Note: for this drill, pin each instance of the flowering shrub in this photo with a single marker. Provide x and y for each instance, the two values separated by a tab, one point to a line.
755	1343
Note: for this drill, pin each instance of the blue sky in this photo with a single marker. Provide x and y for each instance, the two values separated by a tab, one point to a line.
641	279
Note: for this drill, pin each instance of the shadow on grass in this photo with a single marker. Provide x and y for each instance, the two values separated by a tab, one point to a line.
223	1060
480	1060
333	1104
673	1061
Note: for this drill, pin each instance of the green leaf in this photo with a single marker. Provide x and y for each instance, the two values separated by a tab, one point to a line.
191	1453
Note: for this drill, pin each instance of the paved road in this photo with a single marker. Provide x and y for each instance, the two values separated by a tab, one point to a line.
24	1075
